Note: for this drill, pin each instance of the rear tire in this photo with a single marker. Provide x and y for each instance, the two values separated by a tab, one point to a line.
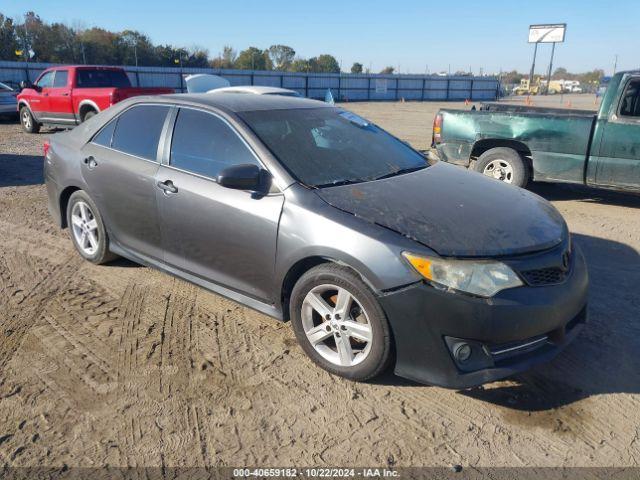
504	164
87	229
88	115
351	338
27	121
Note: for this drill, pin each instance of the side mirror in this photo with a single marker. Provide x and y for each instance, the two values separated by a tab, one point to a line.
244	177
25	84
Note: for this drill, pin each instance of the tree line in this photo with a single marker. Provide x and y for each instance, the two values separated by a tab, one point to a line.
36	40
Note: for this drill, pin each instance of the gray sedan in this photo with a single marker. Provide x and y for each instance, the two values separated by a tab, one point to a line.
309	213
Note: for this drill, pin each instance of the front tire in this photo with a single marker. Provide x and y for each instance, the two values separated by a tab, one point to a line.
504	164
27	121
339	323
87	229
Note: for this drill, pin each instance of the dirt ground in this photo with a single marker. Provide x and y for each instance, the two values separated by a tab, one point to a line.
122	365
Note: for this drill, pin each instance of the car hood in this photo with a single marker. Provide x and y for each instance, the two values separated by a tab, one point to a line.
454	212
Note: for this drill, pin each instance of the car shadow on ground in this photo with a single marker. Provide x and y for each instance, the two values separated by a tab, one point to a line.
604	358
581	193
8	118
20	170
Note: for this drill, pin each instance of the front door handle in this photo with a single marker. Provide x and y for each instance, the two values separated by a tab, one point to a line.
90	162
168	187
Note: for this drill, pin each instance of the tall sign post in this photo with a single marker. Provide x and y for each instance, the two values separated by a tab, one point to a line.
549	33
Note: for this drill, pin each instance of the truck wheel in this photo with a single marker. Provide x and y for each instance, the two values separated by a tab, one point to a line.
88	115
504	164
29	123
339	323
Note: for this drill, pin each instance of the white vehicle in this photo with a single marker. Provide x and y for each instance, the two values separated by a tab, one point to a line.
8	101
575	89
205	83
257	90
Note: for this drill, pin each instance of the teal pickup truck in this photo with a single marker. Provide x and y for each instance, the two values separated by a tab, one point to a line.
516	144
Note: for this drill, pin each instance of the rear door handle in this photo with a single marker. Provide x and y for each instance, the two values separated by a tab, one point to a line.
90	162
168	187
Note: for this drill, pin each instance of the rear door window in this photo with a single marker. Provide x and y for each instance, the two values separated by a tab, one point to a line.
205	144
60	80
138	131
100	78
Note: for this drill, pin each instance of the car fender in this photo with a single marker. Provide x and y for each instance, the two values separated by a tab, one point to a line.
310	228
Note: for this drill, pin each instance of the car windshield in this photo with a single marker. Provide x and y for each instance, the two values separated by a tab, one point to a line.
324	147
100	78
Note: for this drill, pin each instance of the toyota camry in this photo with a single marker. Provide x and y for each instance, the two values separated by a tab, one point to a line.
311	214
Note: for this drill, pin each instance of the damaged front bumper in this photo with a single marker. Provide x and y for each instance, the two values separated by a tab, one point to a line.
458	341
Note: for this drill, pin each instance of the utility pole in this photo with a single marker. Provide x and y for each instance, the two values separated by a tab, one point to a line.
553	49
533	65
615	63
27	49
135	51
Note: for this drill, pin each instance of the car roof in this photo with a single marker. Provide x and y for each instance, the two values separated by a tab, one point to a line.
233	102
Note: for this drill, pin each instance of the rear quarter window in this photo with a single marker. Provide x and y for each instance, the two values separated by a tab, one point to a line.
138	130
105	135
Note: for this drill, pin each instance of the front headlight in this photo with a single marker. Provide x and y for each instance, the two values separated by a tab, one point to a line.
477	277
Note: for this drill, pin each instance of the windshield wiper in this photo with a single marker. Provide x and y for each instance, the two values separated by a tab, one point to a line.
339	183
401	171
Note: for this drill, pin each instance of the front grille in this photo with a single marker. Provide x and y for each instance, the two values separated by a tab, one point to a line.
545	276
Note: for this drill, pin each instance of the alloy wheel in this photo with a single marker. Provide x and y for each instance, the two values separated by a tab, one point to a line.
26	120
85	228
336	325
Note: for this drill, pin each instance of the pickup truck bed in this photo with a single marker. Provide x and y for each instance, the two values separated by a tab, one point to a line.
556	142
554	145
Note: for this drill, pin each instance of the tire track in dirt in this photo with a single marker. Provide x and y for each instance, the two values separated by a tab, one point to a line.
130	309
31	306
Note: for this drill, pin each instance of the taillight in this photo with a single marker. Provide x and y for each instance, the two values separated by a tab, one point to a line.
46	147
114	97
437	130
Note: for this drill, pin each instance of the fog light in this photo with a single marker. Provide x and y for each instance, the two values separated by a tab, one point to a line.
462	352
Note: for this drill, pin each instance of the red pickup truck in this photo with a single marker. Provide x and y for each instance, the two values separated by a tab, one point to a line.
69	95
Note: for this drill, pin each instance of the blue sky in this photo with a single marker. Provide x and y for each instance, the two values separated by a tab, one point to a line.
412	34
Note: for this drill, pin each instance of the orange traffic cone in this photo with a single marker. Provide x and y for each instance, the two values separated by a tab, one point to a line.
466	101
569	104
